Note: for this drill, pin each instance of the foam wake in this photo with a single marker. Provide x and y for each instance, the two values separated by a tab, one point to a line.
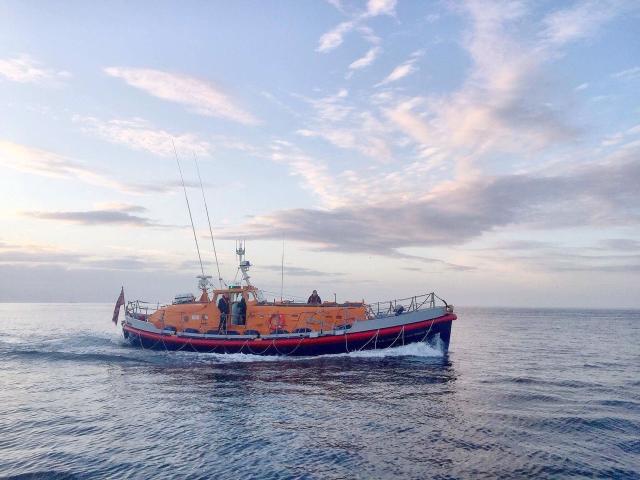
412	350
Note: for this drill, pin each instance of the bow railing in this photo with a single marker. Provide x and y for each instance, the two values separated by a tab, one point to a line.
403	305
140	309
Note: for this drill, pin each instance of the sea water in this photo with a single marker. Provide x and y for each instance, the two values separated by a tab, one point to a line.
521	393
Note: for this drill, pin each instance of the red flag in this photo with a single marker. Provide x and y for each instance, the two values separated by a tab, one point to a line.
119	303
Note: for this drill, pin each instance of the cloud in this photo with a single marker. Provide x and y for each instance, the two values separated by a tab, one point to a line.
138	134
36	161
403	70
505	105
41	162
619	268
366	60
594	195
381	7
619	137
620	244
433	17
521	245
567	260
335	37
299	271
120	214
314	173
581	20
33	254
25	69
628	74
337	4
20	255
345	126
50	273
198	96
399	72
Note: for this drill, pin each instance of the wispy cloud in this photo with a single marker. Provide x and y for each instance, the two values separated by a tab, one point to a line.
345	126
197	95
138	134
381	7
403	70
25	69
505	106
621	244
40	162
117	214
335	37
505	103
581	20
314	174
565	259
627	135
628	74
299	271
44	255
365	60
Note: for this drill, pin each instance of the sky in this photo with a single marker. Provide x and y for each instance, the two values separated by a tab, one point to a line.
485	150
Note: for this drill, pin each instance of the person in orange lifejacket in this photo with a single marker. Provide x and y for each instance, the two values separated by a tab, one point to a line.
314	299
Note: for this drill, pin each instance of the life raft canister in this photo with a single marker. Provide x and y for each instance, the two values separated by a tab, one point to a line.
276	322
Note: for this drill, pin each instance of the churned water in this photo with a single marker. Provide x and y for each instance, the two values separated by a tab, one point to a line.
521	393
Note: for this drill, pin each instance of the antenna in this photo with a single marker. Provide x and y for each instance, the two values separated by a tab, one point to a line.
243	265
282	272
195	237
213	243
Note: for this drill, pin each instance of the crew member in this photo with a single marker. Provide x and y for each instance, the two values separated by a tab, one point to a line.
223	306
314	299
242	311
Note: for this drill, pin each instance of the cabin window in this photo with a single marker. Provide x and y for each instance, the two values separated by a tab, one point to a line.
195	317
205	317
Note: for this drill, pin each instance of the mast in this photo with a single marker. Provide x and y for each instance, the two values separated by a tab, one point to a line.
195	237
204	199
243	265
282	272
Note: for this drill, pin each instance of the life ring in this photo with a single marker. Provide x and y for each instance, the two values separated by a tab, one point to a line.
276	322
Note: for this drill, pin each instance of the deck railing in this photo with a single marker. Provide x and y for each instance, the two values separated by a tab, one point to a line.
140	309
375	310
403	305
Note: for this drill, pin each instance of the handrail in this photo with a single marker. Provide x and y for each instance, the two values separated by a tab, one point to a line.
141	307
403	305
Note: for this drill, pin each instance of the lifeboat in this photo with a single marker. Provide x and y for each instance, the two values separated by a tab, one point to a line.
239	319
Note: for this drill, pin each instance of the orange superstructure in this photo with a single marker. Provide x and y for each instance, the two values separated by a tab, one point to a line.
262	317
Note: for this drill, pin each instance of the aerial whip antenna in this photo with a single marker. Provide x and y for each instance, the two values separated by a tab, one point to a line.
204	199
282	272
195	237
